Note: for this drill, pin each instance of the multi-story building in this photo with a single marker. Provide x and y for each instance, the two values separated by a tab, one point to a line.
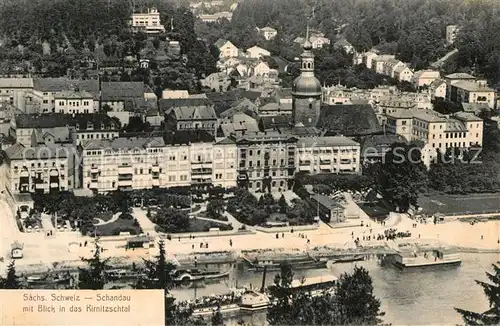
464	91
334	154
14	90
424	77
189	114
379	62
266	159
267	32
461	130
75	102
83	126
178	159
227	49
35	169
148	22
45	90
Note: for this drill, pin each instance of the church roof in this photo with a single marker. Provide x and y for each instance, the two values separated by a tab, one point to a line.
349	120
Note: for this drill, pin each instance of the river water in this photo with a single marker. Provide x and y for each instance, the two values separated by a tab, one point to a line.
418	297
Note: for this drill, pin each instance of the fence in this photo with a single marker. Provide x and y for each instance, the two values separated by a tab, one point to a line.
281	229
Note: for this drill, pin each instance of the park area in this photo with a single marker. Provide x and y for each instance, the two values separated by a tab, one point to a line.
460	204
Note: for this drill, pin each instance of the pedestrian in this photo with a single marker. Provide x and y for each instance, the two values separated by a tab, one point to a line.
179	239
282	235
277	236
308	241
230	243
85	243
481	237
206	245
201	244
419	236
363	238
80	244
291	231
192	246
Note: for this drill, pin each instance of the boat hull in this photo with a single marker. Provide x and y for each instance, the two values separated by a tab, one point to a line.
227	309
277	267
428	264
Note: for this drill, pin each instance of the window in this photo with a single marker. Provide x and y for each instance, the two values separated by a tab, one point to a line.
45	101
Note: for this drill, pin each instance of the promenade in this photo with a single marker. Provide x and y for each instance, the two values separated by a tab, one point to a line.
65	246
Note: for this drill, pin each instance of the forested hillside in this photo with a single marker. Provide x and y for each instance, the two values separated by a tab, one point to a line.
412	29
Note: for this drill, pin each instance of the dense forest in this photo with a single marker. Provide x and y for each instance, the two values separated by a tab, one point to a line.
412	29
54	35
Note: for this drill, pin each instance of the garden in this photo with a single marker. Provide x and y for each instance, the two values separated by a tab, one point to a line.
266	210
171	220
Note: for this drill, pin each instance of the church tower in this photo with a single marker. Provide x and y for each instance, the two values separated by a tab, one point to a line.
306	90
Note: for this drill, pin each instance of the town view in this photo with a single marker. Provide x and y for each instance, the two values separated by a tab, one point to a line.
262	162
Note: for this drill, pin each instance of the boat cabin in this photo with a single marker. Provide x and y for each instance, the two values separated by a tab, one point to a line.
253	300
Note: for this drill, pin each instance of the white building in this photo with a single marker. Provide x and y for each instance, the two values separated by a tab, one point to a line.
267	32
336	154
75	102
227	49
451	34
464	91
261	69
379	62
256	52
461	130
179	159
148	22
403	73
438	88
35	169
424	77
14	90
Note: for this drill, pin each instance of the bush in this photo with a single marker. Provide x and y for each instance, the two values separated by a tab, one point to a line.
126	216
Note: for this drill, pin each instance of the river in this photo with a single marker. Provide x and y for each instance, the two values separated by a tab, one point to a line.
418	297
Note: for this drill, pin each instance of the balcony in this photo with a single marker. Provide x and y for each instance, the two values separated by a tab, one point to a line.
345	161
305	168
125	177
201	171
155	169
325	162
305	163
94	169
198	180
93	185
155	183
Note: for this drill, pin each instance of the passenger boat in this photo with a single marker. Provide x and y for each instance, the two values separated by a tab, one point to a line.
197	274
273	263
119	274
49	279
224	309
254	301
435	257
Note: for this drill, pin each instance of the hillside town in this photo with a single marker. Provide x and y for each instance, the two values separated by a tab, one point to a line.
178	132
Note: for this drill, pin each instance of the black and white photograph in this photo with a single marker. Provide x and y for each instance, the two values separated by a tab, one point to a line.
249	162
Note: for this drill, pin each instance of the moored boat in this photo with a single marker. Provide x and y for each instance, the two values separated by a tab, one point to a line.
197	274
274	262
428	258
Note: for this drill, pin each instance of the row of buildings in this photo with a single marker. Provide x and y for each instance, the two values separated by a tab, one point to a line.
57	151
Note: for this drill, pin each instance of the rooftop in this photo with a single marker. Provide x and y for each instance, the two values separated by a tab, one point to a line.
471	86
16	82
116	91
19	152
349	120
459	75
326	141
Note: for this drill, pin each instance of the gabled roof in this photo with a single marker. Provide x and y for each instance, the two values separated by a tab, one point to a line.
73	95
349	120
124	143
166	104
19	152
194	113
277	121
60	134
16	82
54	85
220	42
459	75
268	29
53	120
436	83
119	91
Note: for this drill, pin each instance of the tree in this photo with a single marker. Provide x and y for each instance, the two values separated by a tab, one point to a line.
215	208
158	274
283	204
94	276
355	299
11	281
402	175
352	302
217	318
492	292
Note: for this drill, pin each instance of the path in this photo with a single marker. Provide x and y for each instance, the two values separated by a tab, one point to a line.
233	221
212	220
114	218
46	222
144	222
